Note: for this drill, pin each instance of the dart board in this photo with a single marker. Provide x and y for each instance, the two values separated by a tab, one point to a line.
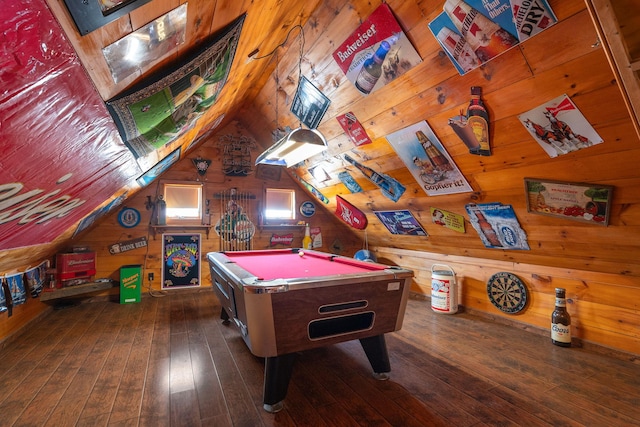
507	292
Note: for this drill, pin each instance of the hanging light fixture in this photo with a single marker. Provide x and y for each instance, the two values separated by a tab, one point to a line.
299	144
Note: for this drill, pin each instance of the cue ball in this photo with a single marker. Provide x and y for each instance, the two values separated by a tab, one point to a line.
301	253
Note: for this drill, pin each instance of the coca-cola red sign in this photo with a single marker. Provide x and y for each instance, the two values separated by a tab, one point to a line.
61	153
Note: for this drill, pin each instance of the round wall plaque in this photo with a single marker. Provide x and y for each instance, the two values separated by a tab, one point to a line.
507	292
129	217
308	209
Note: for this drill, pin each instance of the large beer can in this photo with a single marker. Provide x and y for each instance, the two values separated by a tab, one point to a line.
444	294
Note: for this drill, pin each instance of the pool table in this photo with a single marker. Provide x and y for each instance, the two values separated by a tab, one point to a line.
285	301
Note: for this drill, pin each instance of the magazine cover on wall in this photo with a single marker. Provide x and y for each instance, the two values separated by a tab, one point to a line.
497	225
17	288
155	113
428	161
401	222
473	32
559	127
3	298
35	278
377	52
181	260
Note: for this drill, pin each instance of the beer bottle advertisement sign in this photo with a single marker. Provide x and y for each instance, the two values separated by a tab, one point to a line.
360	47
428	160
473	32
497	225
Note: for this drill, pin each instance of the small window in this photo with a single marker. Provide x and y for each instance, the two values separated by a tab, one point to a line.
184	202
280	204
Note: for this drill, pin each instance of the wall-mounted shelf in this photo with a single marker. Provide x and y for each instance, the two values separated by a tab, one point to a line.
281	226
177	228
71	291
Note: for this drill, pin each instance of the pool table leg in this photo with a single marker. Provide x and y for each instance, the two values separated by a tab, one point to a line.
224	316
277	373
376	350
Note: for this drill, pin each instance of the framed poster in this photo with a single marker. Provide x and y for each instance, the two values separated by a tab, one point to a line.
180	260
89	15
577	201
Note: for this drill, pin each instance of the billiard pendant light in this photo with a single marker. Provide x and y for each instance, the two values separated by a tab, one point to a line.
297	146
300	143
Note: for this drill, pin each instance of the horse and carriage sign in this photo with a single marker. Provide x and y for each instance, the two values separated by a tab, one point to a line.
559	127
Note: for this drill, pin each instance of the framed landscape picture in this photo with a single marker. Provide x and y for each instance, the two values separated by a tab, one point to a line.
577	201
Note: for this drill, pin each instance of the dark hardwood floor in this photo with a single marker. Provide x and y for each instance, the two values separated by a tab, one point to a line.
169	361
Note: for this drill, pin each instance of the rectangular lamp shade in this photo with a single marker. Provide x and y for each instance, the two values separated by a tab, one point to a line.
294	148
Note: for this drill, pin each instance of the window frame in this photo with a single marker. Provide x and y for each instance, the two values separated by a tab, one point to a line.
195	220
280	219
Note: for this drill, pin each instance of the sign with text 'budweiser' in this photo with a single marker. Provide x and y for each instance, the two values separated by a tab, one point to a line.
377	52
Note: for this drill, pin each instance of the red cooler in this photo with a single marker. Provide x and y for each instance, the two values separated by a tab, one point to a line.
75	268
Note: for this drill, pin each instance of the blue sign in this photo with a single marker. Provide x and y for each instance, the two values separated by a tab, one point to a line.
308	209
129	217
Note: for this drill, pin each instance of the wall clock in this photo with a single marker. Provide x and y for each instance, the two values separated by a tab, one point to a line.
507	292
129	217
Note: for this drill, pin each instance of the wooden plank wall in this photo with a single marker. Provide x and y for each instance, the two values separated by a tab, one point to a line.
599	266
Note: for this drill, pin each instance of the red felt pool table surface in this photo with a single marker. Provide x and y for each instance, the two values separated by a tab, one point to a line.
288	264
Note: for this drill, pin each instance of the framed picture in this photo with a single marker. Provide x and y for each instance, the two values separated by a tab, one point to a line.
89	15
181	260
150	44
270	172
589	203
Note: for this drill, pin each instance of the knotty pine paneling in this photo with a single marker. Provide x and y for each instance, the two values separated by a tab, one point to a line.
597	315
563	59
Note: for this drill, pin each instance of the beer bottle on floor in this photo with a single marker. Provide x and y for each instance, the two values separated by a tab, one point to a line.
561	321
